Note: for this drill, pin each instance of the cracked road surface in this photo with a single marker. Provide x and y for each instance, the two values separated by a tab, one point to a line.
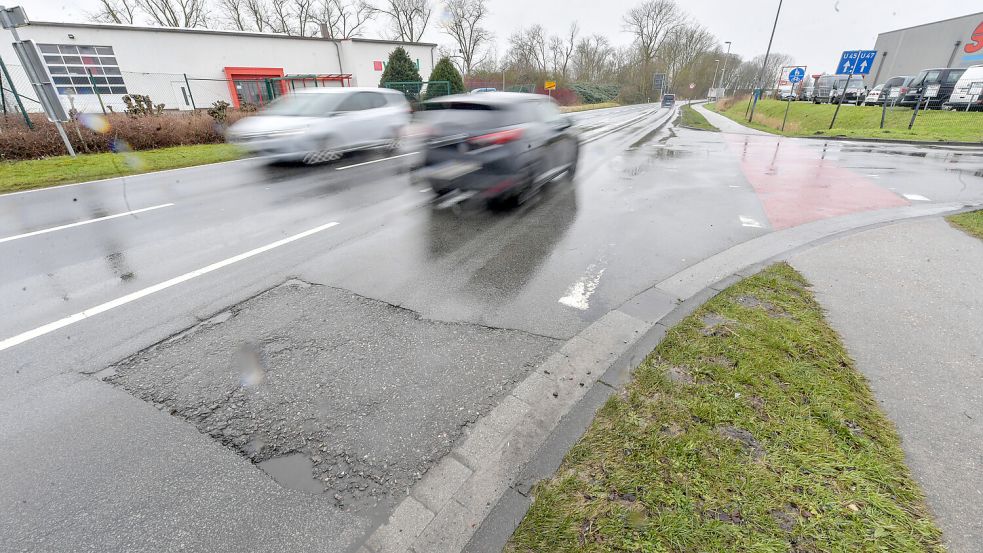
286	399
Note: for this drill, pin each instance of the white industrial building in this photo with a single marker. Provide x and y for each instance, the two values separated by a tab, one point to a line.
94	65
956	42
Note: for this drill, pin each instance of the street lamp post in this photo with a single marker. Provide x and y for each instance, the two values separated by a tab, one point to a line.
723	74
757	83
713	83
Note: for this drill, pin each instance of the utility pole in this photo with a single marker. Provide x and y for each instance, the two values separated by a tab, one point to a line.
765	64
723	74
713	83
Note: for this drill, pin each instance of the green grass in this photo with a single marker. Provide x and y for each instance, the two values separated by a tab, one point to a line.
971	222
585	107
39	173
808	119
689	117
764	438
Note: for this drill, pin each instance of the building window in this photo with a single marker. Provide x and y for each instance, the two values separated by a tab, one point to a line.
83	69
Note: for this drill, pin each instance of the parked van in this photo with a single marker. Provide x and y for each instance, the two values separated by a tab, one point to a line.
900	82
961	97
829	88
945	77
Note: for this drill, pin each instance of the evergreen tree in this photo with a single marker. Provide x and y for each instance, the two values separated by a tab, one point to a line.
444	71
400	68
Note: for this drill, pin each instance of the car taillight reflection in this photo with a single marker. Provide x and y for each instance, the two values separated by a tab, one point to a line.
500	137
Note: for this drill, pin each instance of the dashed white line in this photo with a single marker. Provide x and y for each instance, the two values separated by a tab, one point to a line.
343	167
578	296
749	222
916	197
103	307
80	223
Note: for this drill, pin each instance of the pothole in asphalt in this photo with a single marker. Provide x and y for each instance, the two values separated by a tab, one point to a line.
331	392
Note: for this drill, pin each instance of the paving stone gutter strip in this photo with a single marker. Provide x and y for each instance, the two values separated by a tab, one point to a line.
474	498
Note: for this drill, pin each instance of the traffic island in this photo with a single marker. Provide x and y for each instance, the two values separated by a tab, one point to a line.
747	428
691	119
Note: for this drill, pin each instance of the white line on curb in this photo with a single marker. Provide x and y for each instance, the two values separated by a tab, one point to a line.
101	308
916	197
749	222
80	223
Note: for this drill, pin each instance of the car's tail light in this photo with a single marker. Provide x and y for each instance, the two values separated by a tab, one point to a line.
500	137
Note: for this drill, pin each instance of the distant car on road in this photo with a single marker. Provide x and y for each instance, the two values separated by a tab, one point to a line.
668	100
945	77
503	146
960	99
320	124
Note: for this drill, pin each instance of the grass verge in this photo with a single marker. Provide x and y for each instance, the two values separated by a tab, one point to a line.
747	429
585	107
39	173
689	117
971	222
808	119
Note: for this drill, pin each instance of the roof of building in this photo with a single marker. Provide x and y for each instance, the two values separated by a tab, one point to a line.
978	14
116	26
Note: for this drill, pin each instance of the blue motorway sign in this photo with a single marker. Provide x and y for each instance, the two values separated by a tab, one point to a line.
796	75
856	62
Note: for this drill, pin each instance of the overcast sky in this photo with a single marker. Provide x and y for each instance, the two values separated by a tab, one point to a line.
814	32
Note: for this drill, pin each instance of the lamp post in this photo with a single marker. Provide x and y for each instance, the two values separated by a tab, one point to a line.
757	83
713	83
723	74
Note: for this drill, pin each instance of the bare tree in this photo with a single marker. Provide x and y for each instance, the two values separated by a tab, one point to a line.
464	25
233	14
344	20
256	13
526	53
176	13
592	58
303	12
408	18
115	11
651	23
683	46
561	51
279	17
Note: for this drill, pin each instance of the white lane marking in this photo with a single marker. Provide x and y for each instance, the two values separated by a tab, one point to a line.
916	197
370	162
732	186
101	308
148	173
578	296
80	223
425	189
749	222
872	176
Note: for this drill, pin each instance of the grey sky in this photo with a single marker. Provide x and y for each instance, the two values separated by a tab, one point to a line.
814	32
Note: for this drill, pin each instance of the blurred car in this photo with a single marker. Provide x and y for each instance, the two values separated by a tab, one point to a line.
485	89
503	146
320	124
901	83
669	100
962	97
873	98
945	77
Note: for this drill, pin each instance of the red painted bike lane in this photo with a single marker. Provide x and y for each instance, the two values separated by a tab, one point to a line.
796	185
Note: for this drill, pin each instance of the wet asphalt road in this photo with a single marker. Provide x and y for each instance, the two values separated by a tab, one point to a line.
644	206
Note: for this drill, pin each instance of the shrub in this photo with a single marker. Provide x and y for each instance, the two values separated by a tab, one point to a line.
593	93
400	68
140	104
445	71
138	133
219	111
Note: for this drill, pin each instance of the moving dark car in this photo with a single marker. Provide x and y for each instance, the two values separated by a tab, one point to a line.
945	77
501	145
668	100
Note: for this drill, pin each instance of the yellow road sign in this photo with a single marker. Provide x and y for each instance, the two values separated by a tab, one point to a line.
550	85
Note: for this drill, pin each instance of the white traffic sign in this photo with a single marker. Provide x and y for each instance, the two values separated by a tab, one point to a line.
976	89
932	90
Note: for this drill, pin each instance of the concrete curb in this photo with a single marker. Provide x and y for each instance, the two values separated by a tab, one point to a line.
474	498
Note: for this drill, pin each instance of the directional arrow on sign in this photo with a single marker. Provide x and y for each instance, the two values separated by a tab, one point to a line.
846	67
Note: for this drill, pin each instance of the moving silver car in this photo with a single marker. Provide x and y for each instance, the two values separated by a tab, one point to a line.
321	124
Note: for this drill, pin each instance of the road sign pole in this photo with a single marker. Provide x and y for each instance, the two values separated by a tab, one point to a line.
883	107
764	64
788	104
843	92
917	105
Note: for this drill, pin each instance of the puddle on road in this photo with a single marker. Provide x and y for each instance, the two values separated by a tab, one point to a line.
294	471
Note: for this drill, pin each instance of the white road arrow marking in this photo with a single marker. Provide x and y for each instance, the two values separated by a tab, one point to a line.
749	222
578	296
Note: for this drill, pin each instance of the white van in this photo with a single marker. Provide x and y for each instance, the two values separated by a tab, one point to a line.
961	97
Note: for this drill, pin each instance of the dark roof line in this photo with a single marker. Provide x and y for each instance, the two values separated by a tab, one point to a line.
221	32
